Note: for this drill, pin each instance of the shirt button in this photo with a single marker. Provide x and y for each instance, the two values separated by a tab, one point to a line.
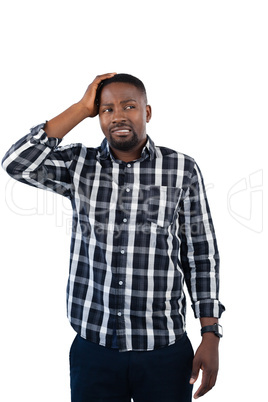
122	251
127	190
119	313
125	220
121	283
128	165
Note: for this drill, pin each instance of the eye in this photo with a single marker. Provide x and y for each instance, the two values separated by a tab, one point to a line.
128	107
107	110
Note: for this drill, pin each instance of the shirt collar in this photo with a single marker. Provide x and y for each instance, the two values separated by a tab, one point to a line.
105	153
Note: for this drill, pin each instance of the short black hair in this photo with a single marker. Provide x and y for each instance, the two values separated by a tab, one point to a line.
126	78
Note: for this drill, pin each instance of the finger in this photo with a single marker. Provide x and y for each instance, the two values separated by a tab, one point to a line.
103	77
207	383
98	81
195	370
202	390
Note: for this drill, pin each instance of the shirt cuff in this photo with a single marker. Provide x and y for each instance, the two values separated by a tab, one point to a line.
208	308
39	136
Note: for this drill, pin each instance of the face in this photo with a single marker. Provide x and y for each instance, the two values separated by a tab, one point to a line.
123	115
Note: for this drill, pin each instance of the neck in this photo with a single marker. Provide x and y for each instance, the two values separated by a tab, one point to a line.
128	156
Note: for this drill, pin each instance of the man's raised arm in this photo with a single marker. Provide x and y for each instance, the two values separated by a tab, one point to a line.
36	158
60	125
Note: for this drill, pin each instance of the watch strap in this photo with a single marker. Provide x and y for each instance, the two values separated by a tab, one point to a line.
216	328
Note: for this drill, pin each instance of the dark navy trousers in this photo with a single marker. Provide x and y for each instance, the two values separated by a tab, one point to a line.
100	374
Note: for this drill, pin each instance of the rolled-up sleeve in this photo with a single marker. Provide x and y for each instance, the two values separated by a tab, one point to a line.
199	251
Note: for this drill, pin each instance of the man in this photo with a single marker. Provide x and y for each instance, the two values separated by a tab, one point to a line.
141	227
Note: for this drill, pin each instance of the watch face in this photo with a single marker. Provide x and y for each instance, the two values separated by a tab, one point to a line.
219	330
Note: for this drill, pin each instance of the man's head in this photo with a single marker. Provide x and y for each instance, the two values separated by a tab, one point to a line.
123	113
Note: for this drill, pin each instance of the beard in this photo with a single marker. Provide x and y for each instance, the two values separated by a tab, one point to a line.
123	143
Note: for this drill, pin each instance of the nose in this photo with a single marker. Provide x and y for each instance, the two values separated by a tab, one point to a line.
118	115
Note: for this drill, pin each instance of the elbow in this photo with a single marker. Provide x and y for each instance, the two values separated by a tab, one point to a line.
11	167
6	166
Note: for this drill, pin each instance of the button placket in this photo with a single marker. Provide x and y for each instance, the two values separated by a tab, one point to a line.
124	205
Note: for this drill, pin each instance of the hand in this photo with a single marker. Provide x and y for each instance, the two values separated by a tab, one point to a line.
206	359
88	100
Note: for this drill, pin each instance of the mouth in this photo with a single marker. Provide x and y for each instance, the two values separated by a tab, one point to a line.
121	131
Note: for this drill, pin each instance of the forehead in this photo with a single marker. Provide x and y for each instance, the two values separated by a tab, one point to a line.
119	91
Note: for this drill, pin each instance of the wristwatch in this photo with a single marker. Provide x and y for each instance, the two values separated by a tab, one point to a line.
216	328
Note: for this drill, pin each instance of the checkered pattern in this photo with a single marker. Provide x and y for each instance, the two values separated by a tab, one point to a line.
140	230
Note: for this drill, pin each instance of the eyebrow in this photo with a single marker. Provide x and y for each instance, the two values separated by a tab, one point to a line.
124	101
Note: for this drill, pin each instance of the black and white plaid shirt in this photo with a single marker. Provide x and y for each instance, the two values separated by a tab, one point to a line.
140	230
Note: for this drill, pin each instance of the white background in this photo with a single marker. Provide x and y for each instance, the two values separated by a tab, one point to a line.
204	64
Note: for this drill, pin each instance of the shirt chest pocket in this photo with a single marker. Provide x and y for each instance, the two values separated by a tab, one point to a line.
162	205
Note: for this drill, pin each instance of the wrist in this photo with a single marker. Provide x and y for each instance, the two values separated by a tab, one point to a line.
211	338
82	109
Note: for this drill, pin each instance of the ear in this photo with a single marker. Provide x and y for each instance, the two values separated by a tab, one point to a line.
148	113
